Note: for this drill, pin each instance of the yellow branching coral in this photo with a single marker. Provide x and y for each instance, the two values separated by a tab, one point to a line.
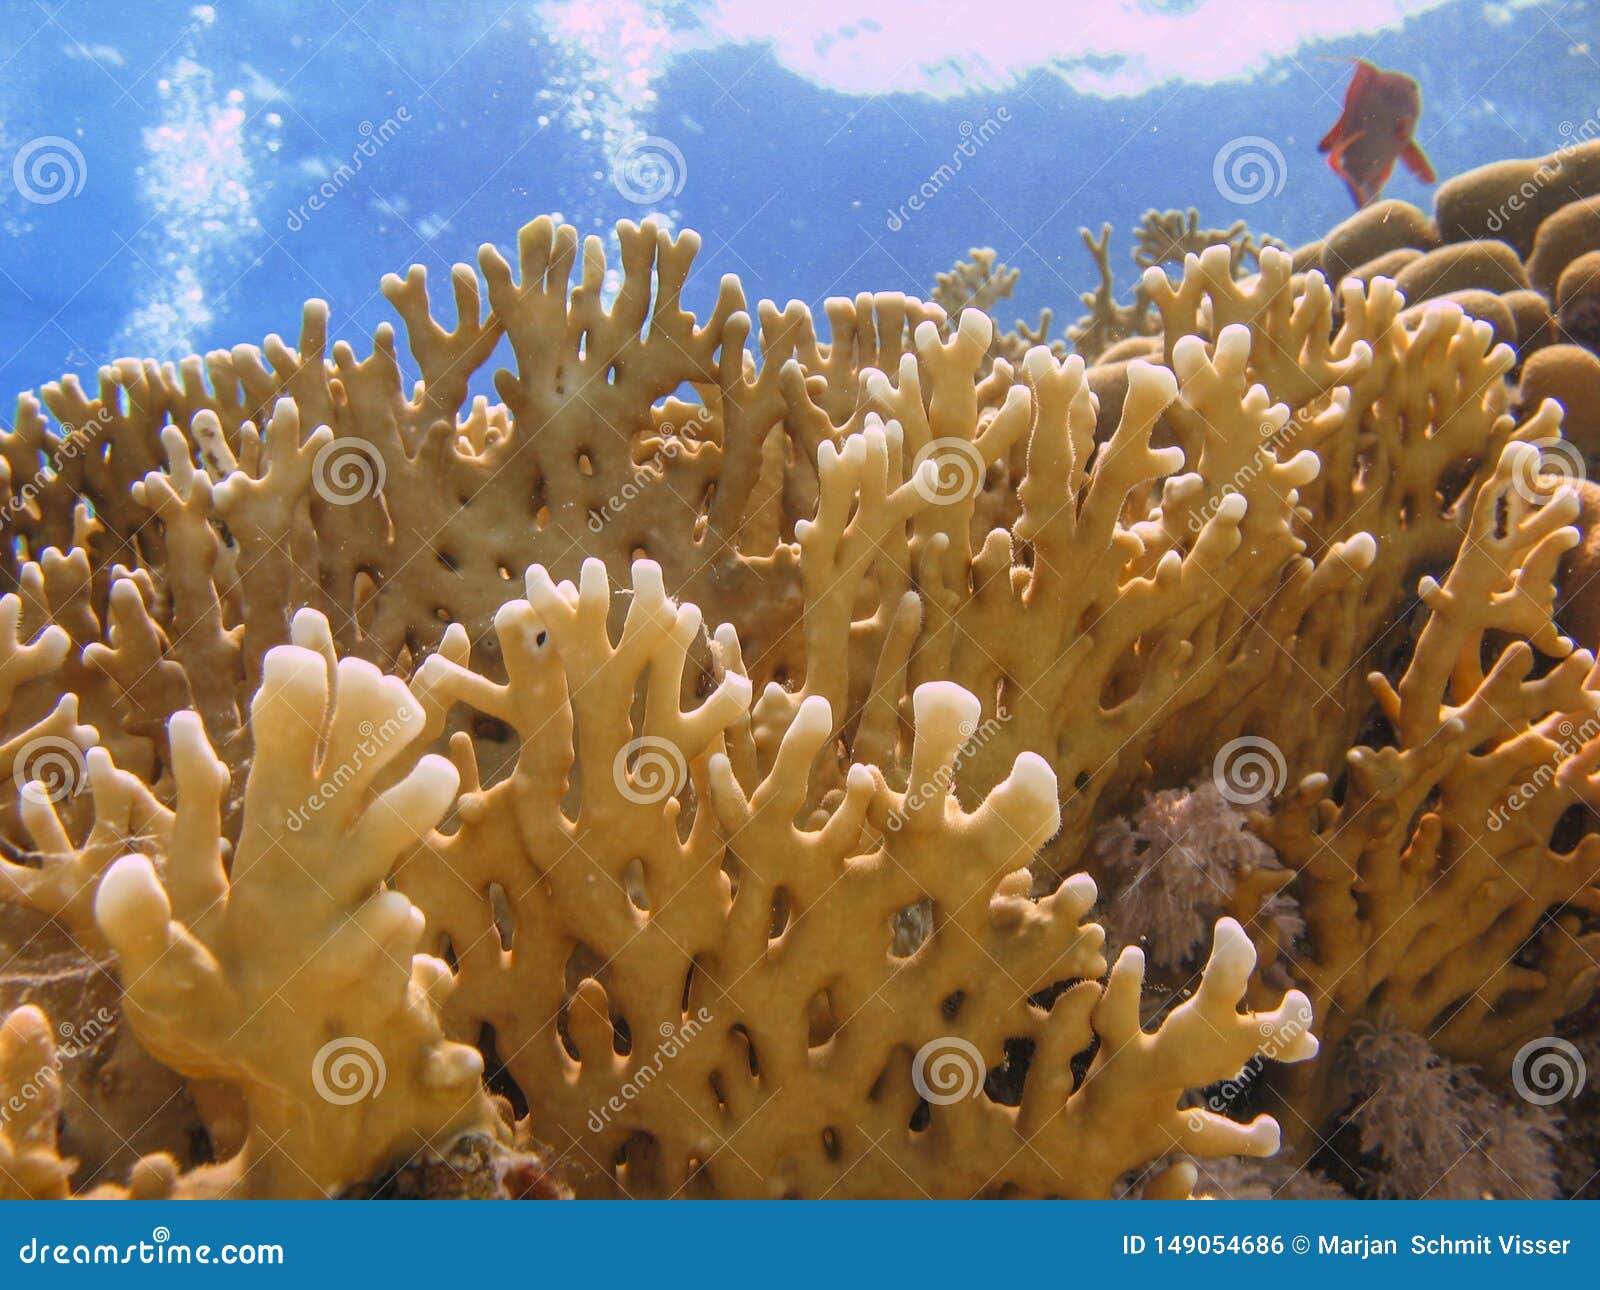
1427	887
696	981
782	680
327	1023
31	1167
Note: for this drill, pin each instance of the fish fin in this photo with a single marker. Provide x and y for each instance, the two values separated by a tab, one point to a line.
1365	74
1417	162
1374	188
1340	147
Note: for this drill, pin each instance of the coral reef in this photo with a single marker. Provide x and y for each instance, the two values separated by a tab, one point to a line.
709	753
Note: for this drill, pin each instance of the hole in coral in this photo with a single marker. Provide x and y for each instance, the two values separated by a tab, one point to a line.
447	952
715	1080
491	730
582	963
1081	781
751	1059
637	1162
1004	1082
621	1035
951	1007
633	882
449	561
1574	822
821	1022
910	928
505	917
443	615
201	1151
496	1075
830	1143
688	988
921	1117
780	913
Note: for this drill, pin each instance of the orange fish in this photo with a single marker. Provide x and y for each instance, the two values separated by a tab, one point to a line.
1377	125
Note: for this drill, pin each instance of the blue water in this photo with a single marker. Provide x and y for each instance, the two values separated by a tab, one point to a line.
203	133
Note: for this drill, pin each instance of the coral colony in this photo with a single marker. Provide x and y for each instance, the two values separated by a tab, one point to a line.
930	761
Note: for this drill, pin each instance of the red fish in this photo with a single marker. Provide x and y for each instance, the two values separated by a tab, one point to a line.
1378	125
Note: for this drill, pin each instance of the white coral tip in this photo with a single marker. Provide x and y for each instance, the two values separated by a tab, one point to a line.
936	700
451	1065
1081	888
130	901
1262	1137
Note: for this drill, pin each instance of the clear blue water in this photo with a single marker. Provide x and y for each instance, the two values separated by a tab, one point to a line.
199	136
